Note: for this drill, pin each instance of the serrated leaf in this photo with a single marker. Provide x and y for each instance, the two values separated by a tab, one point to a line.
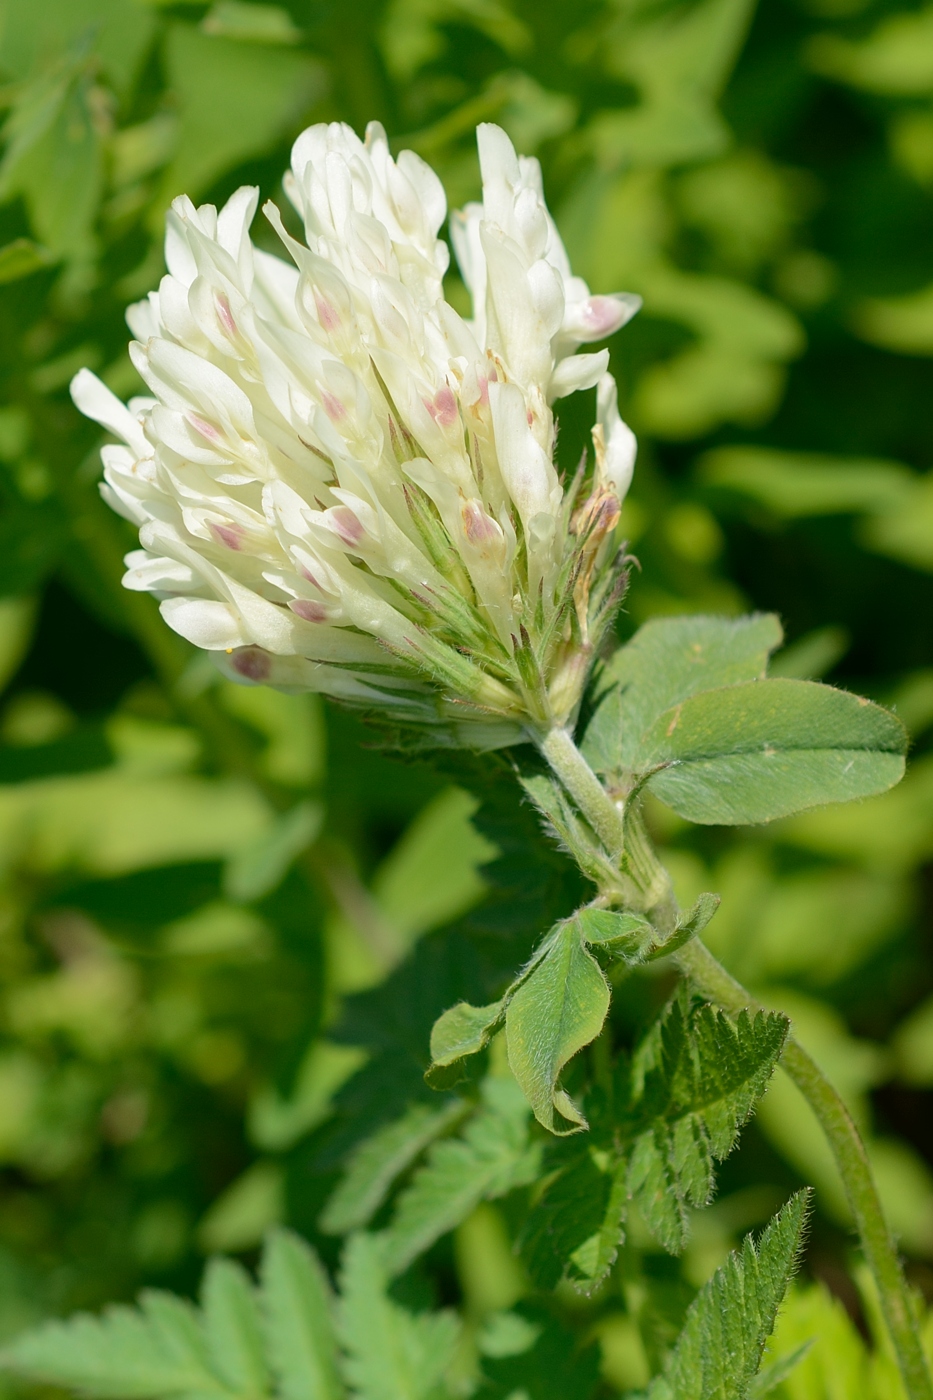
233	1327
765	749
145	1353
491	1157
555	1012
390	1353
574	1228
692	1084
668	660
379	1160
718	1353
298	1320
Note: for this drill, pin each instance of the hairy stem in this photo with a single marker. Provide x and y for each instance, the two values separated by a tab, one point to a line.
571	768
712	980
715	983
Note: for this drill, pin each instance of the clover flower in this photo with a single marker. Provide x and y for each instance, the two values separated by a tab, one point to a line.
343	486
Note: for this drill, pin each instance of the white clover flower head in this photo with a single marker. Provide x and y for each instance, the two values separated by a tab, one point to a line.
343	486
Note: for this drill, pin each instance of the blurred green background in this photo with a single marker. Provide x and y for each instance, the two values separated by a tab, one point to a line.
203	888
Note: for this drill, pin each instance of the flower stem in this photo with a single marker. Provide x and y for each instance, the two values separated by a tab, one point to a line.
712	980
571	768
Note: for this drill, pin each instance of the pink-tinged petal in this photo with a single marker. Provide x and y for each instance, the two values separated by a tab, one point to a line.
309	610
328	314
202	426
346	524
231	535
252	663
224	314
443	408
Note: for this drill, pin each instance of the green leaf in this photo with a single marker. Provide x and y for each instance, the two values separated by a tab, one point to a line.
21	258
259	868
634	939
793	484
390	1354
379	1160
625	934
235	99
768	1380
155	1350
574	1228
764	749
688	925
233	1327
298	1316
718	1353
491	1157
668	660
692	1083
464	1030
557	1010
54	160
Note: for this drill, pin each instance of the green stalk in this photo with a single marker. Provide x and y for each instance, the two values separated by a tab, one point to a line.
717	985
711	979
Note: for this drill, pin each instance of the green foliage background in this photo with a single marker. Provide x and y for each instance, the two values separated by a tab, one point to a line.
226	921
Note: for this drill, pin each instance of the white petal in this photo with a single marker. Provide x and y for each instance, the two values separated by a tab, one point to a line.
211	625
619	443
92	397
596	318
577	372
529	476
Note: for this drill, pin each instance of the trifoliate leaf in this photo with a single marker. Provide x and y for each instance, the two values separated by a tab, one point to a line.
298	1316
668	660
379	1160
557	1010
719	1350
233	1327
491	1157
691	1085
765	749
390	1354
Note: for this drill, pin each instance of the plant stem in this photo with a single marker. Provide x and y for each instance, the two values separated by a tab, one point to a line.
572	769
712	980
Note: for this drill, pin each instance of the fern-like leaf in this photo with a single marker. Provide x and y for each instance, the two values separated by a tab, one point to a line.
390	1354
492	1156
692	1084
299	1320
